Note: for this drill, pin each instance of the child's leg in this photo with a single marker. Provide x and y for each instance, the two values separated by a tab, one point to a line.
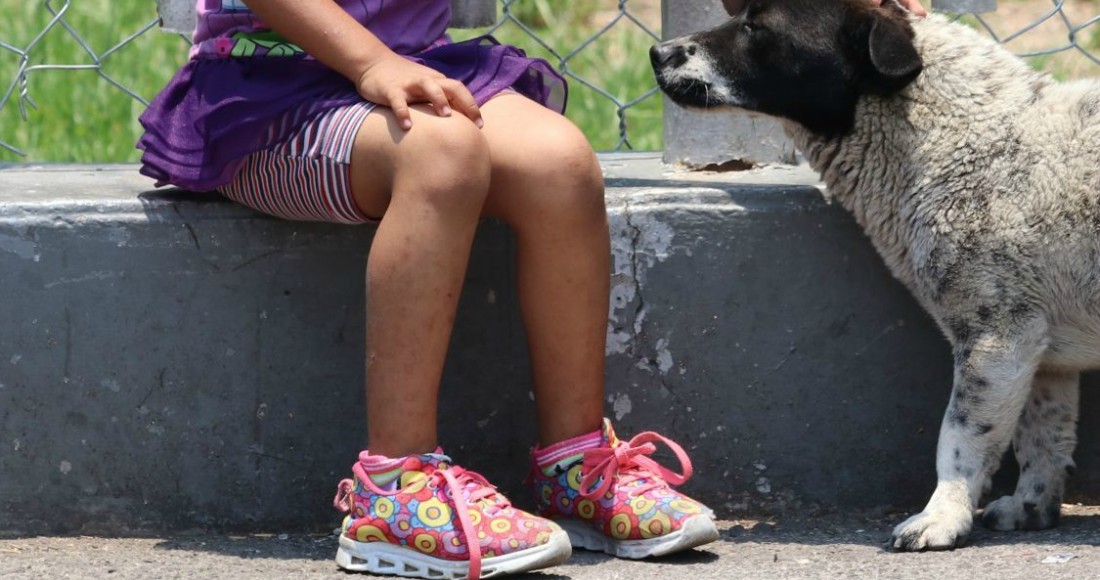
430	184
547	185
438	174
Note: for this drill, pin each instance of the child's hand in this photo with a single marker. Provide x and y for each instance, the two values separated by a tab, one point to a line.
396	82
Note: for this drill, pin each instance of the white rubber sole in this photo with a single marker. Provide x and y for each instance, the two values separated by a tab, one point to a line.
384	558
696	531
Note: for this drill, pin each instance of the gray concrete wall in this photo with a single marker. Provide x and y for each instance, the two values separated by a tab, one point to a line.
169	360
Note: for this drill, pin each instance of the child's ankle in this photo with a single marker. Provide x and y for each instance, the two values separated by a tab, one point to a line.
385	472
566	451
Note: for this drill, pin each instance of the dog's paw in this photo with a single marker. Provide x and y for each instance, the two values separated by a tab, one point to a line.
939	530
1013	513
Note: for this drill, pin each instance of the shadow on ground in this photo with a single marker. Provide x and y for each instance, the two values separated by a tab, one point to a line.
1080	525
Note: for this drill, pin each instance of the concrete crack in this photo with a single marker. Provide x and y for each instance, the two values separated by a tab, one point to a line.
782	361
194	237
635	277
149	393
198	247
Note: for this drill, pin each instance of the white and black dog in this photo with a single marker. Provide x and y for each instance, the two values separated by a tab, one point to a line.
977	180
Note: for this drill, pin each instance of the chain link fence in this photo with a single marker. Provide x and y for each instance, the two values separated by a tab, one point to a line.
639	16
1081	37
598	44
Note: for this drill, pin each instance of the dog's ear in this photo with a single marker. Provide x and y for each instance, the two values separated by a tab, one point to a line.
890	59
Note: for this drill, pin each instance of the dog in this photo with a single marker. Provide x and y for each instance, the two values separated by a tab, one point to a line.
977	180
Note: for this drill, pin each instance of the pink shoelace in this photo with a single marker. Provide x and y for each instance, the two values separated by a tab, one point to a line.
628	462
471	486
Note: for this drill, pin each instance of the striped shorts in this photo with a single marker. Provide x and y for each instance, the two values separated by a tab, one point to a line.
306	176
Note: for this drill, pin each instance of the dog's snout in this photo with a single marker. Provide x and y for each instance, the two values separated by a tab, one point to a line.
684	73
670	54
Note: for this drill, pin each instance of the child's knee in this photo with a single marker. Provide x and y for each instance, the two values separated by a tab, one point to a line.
575	176
446	160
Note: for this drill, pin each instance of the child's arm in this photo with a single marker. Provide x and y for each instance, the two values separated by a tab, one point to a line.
333	37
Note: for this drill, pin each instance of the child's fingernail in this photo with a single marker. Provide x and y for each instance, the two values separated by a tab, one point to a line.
406	124
480	123
446	111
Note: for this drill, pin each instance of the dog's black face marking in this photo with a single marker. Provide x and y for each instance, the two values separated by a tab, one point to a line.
803	60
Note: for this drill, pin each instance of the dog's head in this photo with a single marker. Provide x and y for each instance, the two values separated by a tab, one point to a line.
804	60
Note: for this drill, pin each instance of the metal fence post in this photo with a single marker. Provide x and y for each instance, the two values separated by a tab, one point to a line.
473	13
177	16
964	6
697	139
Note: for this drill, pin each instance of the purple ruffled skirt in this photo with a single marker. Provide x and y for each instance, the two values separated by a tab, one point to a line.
215	112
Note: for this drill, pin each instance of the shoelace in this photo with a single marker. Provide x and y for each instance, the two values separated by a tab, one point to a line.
469	485
628	462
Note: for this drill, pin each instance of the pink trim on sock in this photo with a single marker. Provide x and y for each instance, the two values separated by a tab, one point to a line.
374	463
384	470
563	449
381	473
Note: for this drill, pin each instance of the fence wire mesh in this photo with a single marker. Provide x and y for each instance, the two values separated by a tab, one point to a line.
638	24
600	45
1082	36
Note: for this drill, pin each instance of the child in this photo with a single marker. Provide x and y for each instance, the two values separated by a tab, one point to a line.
362	111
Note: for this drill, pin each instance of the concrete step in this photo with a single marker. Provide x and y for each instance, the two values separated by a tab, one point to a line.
169	360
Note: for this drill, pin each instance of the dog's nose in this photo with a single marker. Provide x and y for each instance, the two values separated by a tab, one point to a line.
666	53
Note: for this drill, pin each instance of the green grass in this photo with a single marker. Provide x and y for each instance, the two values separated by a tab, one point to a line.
617	62
80	116
83	118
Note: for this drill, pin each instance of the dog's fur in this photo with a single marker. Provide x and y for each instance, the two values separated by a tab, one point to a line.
977	180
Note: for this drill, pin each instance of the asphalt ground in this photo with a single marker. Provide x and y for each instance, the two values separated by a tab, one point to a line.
813	547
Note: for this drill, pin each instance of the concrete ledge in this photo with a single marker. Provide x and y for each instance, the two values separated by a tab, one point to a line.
170	360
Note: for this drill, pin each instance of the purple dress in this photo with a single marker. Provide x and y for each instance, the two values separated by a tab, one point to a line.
243	82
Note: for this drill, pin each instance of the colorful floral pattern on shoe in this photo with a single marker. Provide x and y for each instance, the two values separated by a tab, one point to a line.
440	510
617	489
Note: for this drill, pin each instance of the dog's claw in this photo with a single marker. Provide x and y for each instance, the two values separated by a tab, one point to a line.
1011	513
932	531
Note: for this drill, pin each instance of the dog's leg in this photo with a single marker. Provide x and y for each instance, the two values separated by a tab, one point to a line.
1044	443
993	376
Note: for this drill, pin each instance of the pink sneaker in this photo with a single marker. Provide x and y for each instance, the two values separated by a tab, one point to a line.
615	499
441	522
